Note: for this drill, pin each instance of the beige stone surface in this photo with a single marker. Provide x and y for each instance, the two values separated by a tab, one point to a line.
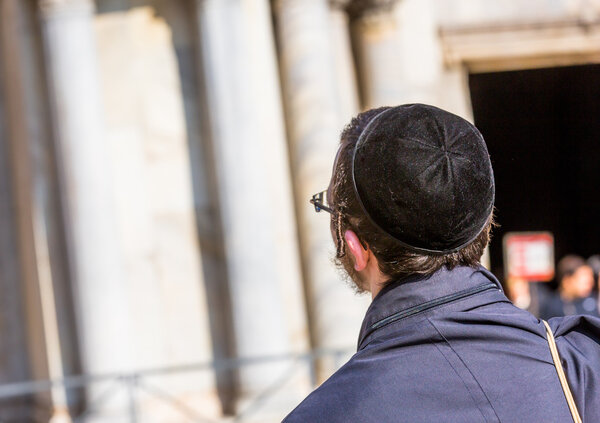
400	60
76	102
482	12
514	46
148	148
346	82
250	157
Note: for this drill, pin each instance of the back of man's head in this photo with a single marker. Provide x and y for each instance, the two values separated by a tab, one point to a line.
415	183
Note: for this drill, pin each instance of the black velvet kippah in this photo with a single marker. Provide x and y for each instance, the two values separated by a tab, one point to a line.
424	176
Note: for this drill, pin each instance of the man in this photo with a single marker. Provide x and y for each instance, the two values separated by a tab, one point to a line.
411	200
576	283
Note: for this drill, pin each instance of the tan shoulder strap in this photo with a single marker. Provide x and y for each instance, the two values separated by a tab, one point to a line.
561	374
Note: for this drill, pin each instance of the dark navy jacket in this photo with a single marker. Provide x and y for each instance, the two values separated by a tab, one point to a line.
452	348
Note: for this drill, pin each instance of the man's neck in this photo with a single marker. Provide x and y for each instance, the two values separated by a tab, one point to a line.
375	288
376	281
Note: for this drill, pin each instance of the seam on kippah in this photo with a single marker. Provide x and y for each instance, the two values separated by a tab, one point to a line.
421	142
441	133
462	156
472	129
431	164
455	187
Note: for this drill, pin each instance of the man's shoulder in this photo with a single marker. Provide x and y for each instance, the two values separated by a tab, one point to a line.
332	401
355	391
377	382
584	327
578	336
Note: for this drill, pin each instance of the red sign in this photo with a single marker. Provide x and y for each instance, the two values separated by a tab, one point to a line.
529	255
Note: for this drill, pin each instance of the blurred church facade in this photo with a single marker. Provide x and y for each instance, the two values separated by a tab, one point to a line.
156	162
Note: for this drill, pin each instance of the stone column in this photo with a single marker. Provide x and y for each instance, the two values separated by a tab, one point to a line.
345	73
147	71
23	349
14	365
399	55
100	294
250	157
316	106
376	41
43	276
424	77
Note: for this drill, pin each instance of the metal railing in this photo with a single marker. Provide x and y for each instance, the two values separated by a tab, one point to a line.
135	382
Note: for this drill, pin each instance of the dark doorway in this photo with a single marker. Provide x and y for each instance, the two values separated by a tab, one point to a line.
542	128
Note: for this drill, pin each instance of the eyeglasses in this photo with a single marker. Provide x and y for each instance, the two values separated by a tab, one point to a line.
317	201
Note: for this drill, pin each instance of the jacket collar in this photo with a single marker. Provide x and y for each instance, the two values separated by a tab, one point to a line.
403	297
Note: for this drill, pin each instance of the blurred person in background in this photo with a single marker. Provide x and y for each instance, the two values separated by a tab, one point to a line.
594	263
410	201
517	290
574	296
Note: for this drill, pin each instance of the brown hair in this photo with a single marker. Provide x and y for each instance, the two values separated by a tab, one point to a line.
568	265
395	260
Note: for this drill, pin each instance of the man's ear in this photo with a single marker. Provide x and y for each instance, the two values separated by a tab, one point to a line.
361	256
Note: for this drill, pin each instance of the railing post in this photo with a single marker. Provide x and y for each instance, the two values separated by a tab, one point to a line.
131	382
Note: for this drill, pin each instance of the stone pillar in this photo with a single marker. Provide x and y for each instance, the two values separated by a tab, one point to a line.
424	77
100	294
250	157
345	73
146	62
14	365
316	106
40	253
399	55
376	41
22	346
